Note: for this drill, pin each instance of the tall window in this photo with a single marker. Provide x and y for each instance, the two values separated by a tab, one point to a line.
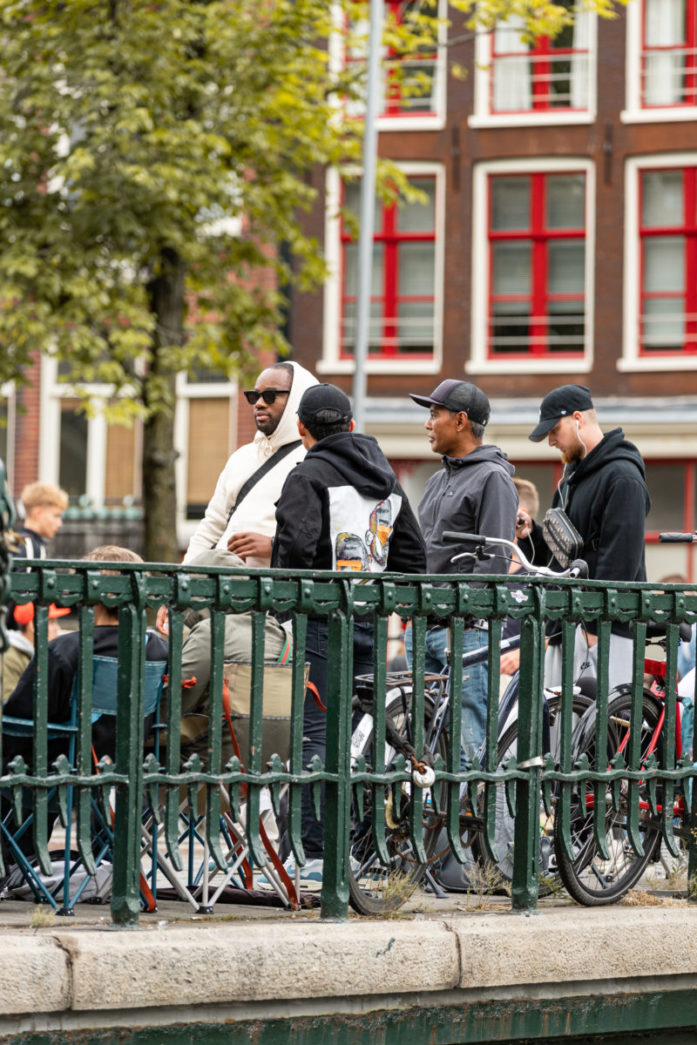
550	74
669	53
537	265
551	80
411	80
403	290
668	269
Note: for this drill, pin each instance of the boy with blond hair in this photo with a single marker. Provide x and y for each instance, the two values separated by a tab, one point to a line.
44	505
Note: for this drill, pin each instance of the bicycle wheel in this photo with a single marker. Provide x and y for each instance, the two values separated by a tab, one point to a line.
505	824
376	886
589	878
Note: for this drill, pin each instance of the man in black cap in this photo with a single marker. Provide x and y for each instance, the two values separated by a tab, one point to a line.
603	491
472	492
341	508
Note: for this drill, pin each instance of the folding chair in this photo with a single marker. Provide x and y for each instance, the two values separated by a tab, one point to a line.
74	880
204	883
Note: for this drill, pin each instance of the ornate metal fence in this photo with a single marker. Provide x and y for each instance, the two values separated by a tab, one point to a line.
635	787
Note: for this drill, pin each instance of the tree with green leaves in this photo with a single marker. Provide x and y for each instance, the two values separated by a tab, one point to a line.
154	157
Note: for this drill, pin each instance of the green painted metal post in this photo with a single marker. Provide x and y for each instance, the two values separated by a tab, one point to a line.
337	804
7	518
527	824
125	898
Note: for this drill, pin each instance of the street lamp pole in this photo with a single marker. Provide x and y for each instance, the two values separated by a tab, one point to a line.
367	213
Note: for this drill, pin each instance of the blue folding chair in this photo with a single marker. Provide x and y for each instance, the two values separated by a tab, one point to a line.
63	889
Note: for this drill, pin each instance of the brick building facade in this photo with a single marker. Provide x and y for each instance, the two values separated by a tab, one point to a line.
555	241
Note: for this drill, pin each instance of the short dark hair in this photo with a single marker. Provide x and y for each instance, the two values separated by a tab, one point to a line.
320	430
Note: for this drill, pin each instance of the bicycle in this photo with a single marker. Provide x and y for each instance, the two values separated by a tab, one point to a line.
385	866
615	829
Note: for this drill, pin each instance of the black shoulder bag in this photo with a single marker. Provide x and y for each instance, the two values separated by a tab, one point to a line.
254	478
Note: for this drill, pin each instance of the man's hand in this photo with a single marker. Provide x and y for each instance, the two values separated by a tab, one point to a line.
250	544
162	621
523	526
510	662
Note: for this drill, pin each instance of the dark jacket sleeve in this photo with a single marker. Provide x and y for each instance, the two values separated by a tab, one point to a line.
407	553
299	514
61	672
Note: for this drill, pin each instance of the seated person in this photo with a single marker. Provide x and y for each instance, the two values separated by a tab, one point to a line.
63	655
21	643
196	664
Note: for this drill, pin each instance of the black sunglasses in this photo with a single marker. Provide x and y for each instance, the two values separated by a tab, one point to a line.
268	395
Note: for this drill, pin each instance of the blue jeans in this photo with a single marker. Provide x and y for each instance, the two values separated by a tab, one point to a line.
474	683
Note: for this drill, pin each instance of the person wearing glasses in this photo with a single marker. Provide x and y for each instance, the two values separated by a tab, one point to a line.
241	514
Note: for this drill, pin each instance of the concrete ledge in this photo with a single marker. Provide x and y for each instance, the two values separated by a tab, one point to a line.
35	975
597	944
205	966
98	975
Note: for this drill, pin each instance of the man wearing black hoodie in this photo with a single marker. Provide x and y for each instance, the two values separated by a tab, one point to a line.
341	508
603	491
472	492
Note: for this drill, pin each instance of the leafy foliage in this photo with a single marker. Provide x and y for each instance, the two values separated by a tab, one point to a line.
133	131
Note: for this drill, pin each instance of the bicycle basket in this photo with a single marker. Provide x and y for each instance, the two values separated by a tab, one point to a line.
561	537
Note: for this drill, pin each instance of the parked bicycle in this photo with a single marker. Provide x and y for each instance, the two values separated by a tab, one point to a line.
616	826
385	866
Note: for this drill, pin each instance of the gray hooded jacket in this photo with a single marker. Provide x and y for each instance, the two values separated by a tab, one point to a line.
472	494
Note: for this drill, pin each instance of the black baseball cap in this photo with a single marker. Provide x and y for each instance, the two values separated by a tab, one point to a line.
560	402
458	395
326	404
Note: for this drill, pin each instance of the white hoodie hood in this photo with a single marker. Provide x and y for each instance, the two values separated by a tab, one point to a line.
257	512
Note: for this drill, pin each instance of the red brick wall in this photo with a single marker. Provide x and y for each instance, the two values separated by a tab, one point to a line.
27	429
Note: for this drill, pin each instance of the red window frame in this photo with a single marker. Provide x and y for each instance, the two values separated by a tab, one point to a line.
539	296
542	54
395	104
688	49
688	230
390	236
689	518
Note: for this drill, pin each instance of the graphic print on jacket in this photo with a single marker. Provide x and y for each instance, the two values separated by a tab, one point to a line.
360	529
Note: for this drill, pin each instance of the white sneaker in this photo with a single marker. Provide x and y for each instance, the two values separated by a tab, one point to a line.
309	876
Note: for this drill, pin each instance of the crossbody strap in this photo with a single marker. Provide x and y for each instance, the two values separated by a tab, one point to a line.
282	452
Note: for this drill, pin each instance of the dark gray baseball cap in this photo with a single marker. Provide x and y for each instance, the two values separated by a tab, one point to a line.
458	395
560	402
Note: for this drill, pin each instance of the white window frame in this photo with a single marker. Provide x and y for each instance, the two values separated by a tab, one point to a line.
186	391
482	89
52	392
634	113
631	359
478	362
424	121
331	361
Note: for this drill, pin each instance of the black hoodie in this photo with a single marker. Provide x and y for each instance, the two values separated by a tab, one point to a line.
605	496
341	508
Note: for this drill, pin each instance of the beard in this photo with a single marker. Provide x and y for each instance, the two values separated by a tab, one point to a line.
574	453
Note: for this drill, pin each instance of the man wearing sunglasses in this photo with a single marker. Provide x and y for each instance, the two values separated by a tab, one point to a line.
240	516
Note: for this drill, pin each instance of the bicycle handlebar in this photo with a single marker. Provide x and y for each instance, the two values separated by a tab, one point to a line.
578	568
677	538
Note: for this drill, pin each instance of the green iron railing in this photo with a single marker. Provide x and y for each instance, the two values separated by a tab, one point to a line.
138	590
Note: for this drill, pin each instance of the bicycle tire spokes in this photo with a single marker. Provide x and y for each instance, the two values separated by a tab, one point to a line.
591	876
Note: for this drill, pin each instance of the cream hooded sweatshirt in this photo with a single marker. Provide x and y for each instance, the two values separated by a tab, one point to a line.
257	512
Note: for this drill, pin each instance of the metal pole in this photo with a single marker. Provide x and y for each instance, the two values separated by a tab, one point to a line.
367	205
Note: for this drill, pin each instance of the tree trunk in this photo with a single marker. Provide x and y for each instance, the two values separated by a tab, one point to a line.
159	455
